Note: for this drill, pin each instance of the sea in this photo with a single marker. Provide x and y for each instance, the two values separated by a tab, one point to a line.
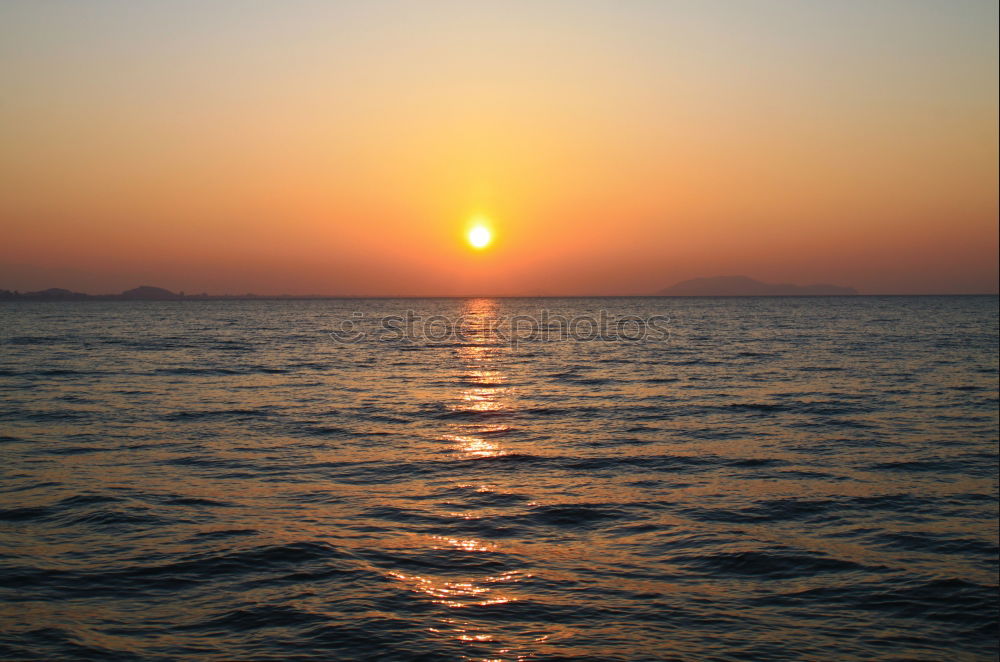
786	478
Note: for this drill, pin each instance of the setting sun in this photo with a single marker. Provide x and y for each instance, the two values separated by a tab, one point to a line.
480	236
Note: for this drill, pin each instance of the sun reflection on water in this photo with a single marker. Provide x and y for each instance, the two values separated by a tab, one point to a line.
478	431
488	392
459	594
466	544
470	446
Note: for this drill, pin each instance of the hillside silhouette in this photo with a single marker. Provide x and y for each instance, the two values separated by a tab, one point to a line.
743	286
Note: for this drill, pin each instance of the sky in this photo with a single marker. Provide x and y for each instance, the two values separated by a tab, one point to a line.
613	147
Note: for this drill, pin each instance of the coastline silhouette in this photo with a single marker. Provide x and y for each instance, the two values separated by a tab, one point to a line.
743	286
726	286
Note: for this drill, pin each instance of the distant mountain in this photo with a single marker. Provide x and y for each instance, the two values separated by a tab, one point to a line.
742	286
719	286
143	293
149	292
56	293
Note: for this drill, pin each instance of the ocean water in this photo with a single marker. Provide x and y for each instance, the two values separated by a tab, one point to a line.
755	479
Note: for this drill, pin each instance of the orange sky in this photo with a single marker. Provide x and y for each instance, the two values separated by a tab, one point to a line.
340	148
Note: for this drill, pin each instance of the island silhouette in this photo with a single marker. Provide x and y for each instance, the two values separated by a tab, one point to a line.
718	286
744	286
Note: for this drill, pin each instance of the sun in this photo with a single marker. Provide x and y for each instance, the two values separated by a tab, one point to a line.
479	236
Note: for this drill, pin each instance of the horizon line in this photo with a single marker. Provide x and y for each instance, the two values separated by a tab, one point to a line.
83	296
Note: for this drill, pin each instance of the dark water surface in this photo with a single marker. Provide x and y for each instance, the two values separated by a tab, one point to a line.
781	479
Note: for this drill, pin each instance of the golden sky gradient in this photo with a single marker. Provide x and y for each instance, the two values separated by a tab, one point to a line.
615	147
